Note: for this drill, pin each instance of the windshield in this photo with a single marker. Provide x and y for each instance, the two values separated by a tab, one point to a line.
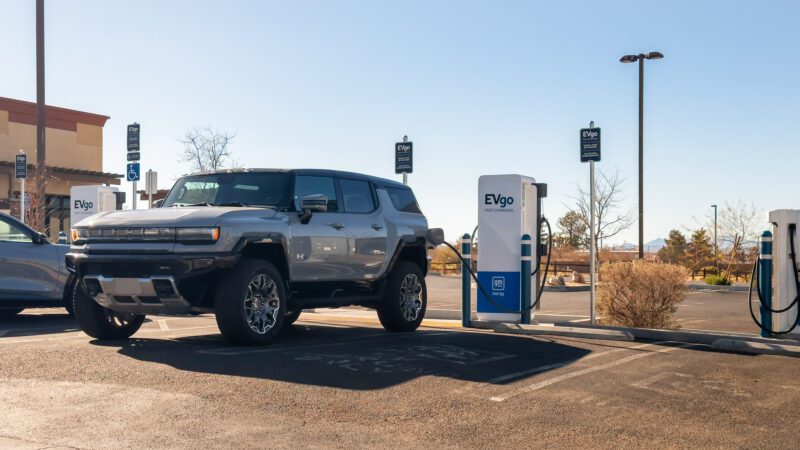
232	189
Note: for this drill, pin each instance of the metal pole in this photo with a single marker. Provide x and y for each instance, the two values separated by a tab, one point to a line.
641	156
22	200
466	283
405	178
592	246
525	278
134	195
716	243
40	114
150	188
765	281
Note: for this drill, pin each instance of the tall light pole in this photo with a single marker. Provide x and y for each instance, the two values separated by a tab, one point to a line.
716	243
40	116
629	59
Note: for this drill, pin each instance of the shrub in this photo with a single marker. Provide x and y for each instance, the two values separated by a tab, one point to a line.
716	280
641	294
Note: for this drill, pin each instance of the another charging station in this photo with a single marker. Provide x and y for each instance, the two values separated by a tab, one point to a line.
780	303
509	212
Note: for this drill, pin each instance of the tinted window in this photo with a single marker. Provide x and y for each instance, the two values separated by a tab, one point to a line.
311	185
10	232
357	196
403	200
250	188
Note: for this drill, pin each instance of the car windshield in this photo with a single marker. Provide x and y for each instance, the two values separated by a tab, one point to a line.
265	189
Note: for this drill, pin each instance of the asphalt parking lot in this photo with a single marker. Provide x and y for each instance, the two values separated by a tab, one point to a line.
329	383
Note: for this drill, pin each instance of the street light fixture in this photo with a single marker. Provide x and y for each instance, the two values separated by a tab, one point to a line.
630	59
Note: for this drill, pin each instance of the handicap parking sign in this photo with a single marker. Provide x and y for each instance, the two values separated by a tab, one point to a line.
133	172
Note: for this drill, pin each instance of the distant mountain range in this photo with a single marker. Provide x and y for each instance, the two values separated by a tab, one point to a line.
655	245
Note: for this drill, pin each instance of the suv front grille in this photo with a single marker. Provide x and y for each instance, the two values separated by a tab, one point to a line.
136	270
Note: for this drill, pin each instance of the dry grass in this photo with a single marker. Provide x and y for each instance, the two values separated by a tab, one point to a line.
641	294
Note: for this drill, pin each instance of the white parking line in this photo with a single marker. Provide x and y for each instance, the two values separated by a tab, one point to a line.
538	369
577	373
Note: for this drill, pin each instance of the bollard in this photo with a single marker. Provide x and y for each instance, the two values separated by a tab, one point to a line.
765	281
466	282
62	237
525	279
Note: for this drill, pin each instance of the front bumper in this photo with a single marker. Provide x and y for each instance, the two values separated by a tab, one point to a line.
149	283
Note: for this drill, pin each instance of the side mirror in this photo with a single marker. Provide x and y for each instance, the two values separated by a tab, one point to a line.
310	204
435	236
158	203
314	203
39	238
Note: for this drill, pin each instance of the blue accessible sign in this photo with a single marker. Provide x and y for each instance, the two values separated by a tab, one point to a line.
132	174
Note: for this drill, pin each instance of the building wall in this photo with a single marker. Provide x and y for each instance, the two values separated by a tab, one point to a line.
81	149
74	155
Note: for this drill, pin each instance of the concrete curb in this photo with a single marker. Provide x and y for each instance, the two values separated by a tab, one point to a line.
691	337
552	330
710	288
732	345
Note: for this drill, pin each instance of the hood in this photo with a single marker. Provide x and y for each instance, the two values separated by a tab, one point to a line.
173	217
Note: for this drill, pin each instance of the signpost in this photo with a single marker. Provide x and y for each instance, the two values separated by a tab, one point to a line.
150	186
21	169
132	174
590	151
404	158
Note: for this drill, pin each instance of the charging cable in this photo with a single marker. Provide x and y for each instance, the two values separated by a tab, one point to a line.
755	274
502	308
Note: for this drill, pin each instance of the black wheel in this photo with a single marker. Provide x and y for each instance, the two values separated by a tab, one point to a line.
70	308
69	290
250	303
102	323
291	317
9	313
405	300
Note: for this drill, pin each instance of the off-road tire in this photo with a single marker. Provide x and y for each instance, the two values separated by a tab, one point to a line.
69	291
9	313
391	309
232	297
102	323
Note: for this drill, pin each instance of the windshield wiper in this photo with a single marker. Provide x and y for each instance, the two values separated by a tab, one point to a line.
242	204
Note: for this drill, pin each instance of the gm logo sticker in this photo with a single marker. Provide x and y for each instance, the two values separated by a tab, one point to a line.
498	283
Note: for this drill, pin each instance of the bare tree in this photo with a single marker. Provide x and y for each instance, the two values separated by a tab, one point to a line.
610	218
740	222
36	206
207	149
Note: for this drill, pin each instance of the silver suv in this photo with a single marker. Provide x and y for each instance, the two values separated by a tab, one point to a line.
255	247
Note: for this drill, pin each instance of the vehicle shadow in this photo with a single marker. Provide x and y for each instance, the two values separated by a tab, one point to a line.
34	322
359	358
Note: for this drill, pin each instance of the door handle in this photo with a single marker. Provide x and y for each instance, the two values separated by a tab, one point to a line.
377	227
337	225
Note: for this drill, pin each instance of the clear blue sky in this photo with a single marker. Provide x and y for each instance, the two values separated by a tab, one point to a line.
480	87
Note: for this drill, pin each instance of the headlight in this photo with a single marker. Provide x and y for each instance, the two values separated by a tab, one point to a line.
197	234
79	235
